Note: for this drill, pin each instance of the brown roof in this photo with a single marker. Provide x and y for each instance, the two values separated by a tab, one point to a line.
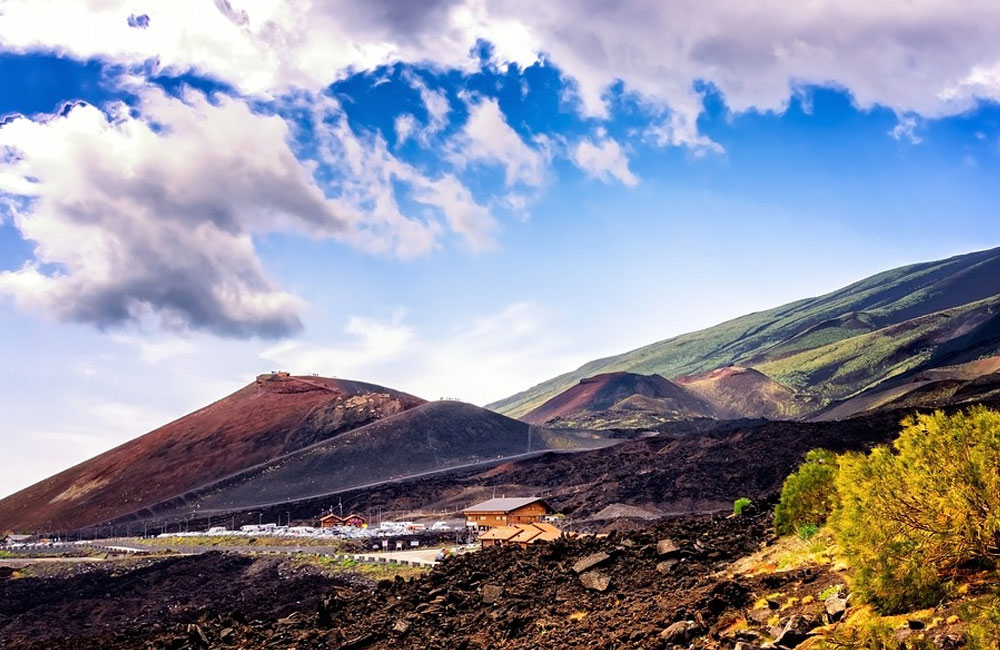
505	505
523	533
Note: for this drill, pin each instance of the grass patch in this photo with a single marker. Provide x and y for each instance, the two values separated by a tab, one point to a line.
379	571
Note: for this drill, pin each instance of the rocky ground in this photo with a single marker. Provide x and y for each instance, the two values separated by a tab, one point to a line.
667	586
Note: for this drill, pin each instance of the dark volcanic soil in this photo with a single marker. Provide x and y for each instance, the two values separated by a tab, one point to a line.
511	598
257	423
671	473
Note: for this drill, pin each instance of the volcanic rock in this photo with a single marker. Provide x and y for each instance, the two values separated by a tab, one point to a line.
595	580
680	632
795	631
590	562
666	548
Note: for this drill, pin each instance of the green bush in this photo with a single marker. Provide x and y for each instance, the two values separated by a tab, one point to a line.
909	515
983	616
808	494
739	504
807	531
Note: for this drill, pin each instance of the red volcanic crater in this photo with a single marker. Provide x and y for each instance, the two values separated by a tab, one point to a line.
272	416
619	390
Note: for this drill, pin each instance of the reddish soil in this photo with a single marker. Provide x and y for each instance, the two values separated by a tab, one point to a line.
737	392
255	424
604	392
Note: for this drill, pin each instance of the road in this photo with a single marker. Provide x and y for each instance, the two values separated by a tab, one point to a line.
482	463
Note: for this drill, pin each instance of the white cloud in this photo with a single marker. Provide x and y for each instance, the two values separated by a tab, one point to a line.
604	160
925	57
481	360
905	129
487	138
150	218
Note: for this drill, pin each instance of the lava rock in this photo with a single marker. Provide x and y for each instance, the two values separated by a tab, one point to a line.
595	580
795	631
836	607
667	548
680	633
666	566
491	593
948	641
590	562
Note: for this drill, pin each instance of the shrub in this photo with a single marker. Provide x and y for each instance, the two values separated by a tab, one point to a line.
808	494
983	616
739	504
908	516
807	531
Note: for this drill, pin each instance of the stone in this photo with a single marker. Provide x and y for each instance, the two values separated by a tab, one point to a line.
680	633
667	547
666	566
595	580
401	627
196	635
590	562
491	593
948	641
836	607
795	631
760	616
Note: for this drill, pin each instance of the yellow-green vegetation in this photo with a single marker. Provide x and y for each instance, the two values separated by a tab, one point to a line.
808	495
918	523
909	516
851	336
378	571
740	504
983	616
866	629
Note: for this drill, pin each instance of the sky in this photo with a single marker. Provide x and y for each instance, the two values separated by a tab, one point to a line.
455	198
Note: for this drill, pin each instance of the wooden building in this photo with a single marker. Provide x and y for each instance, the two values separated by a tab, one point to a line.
331	520
519	534
504	512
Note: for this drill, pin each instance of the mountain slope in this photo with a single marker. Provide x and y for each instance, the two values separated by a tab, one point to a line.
881	301
737	392
430	437
620	399
275	415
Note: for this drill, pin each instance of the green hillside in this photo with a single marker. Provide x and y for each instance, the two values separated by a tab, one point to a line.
803	344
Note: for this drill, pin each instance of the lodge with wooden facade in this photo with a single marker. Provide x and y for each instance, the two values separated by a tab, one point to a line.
331	520
505	512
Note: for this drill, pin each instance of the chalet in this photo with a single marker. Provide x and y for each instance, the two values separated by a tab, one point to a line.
331	520
504	512
519	535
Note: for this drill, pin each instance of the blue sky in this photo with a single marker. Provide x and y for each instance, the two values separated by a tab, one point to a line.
463	203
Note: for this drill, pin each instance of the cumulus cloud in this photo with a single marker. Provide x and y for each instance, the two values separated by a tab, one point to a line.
604	160
488	138
150	215
925	57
